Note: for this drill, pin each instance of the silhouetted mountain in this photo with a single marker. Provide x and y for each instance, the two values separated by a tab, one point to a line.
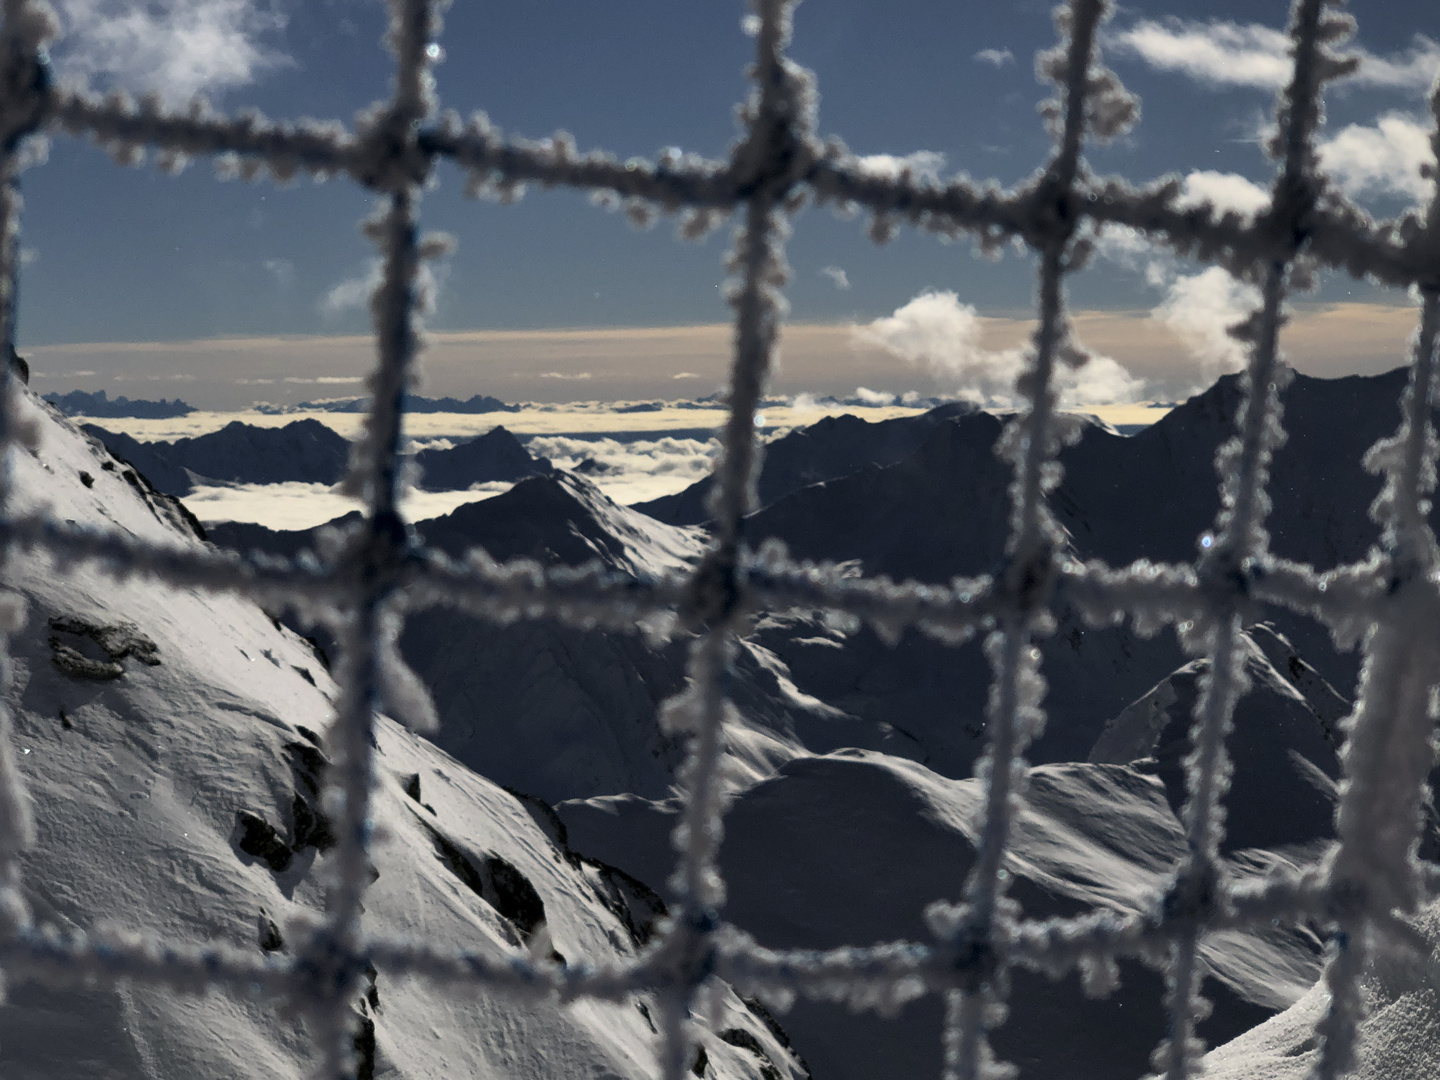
496	455
832	447
478	403
80	403
305	450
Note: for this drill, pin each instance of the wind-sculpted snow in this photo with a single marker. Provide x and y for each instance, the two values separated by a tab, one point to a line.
977	946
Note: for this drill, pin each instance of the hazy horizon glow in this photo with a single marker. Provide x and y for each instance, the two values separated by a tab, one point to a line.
673	363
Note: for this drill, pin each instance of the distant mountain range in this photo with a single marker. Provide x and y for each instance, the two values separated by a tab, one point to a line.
310	452
80	403
478	403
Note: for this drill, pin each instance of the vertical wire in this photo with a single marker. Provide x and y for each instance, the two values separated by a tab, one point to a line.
1389	743
381	545
1017	689
1239	538
759	260
23	34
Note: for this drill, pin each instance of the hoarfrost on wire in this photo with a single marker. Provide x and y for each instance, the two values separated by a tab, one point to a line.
367	580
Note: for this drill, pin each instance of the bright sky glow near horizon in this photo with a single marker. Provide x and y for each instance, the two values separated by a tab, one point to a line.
227	293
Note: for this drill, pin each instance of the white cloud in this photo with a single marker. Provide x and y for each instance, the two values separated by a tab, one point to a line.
1226	191
633	471
1384	159
1199	309
353	292
1224	53
923	164
837	275
1131	249
565	375
177	48
937	332
997	57
1413	69
323	380
686	375
876	398
1221	53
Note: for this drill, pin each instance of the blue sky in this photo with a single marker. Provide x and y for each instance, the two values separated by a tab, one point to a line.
134	255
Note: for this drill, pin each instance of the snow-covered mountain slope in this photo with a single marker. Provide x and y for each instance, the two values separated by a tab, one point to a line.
850	848
565	713
1399	1038
173	744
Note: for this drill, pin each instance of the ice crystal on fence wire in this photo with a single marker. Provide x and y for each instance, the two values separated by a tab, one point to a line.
369	578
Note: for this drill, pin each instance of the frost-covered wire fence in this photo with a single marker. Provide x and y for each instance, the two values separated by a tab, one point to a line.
1390	602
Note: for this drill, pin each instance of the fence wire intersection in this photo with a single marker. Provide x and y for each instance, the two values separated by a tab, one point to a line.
378	572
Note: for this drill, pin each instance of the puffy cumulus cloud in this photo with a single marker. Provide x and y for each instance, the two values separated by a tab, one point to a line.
176	48
922	164
995	57
631	472
874	398
937	332
1225	191
1199	309
1225	53
1385	158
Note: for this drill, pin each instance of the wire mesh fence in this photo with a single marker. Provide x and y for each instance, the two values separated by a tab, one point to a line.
1359	890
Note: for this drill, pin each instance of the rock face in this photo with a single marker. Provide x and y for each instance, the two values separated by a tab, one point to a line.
179	794
305	450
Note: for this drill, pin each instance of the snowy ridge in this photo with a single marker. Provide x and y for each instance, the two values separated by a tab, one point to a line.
373	576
